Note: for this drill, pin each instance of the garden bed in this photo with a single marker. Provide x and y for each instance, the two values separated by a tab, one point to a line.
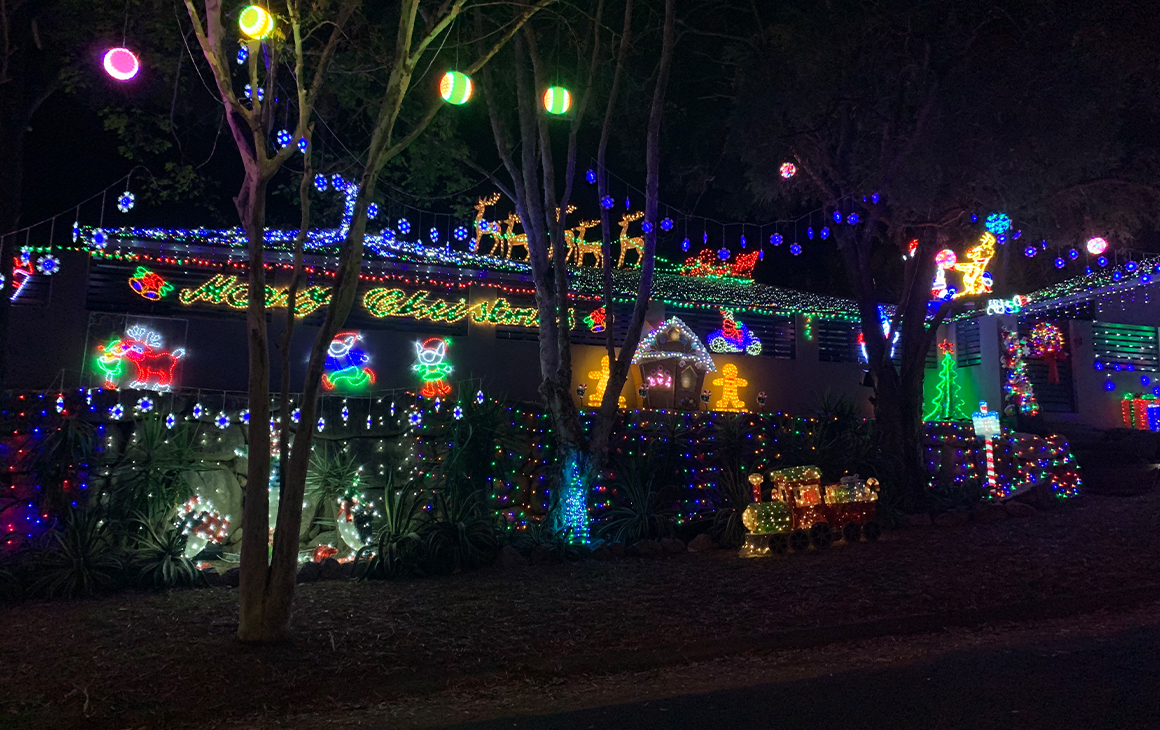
172	661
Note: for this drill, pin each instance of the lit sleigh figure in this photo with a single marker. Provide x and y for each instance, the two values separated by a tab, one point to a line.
346	363
431	367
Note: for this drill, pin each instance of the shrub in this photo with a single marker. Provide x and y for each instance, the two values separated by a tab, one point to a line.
638	510
77	559
159	557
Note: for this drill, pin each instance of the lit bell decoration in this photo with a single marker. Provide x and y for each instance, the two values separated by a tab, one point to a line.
121	63
557	100
255	22
455	87
1097	246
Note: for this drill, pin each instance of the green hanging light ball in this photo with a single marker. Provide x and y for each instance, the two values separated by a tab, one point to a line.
557	100
255	23
455	87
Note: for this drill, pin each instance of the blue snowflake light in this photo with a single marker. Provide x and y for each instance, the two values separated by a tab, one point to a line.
461	233
222	420
590	176
404	226
48	264
795	249
244	416
1030	251
321	423
117	412
1060	263
646	226
372	210
320	182
810	233
144	404
345	414
852	219
170	421
607	202
243	54
743	242
433	234
198	411
685	245
415	419
296	415
723	253
837	216
666	224
302	145
825	233
479	397
284	137
776	239
457	413
126	201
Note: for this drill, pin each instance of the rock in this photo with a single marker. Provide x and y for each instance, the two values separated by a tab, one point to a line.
330	569
510	559
213	578
232	576
309	572
617	549
701	543
952	518
989	513
1018	509
646	549
920	520
672	545
541	555
603	554
325	538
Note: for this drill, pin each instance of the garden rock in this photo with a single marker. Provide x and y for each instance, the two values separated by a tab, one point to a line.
646	549
701	543
1145	444
331	569
510	559
952	518
919	520
232	576
1018	509
603	554
213	578
309	573
673	545
989	513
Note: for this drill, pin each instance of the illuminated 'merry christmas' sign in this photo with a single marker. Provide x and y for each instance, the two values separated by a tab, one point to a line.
233	292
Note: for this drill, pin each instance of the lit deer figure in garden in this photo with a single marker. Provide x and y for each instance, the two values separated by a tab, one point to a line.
482	228
635	243
579	247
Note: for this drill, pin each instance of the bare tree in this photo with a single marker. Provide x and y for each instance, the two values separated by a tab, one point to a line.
535	192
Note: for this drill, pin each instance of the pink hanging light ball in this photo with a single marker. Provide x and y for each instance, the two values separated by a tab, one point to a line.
121	63
1097	246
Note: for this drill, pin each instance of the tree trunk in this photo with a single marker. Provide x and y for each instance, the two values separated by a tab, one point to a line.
253	587
13	127
898	414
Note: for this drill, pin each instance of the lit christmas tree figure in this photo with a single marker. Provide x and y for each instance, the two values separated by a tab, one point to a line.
431	367
948	403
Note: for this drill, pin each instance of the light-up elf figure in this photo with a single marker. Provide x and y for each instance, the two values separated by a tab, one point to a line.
431	368
346	363
729	383
109	362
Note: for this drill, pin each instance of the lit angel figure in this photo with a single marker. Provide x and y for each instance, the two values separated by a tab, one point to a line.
431	368
346	363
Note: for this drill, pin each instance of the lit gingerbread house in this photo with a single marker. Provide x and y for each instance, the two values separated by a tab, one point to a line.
672	361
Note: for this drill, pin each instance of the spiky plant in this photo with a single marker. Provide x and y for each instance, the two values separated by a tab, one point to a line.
158	557
639	510
77	559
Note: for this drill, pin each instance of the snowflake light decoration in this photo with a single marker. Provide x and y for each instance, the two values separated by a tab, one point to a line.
170	421
48	264
198	410
415	419
457	413
117	412
222	420
126	201
144	405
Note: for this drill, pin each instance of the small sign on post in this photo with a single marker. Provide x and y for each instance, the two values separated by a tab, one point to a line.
987	428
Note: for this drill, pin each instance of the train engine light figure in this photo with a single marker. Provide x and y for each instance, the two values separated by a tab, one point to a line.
431	367
346	363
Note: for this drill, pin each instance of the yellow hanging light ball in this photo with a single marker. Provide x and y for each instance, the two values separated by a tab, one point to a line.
255	22
455	87
557	100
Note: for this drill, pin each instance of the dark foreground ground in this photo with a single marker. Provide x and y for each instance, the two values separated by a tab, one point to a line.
561	637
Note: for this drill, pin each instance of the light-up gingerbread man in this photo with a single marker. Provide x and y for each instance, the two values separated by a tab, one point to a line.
596	395
729	383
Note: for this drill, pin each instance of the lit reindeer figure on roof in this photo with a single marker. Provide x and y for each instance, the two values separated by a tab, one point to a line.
567	237
635	243
510	239
482	227
579	247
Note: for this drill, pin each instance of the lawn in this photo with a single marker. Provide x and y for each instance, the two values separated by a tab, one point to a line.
153	660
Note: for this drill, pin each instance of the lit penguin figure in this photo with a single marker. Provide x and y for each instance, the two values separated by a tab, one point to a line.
431	368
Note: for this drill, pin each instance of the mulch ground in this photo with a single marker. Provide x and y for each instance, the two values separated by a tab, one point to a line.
147	660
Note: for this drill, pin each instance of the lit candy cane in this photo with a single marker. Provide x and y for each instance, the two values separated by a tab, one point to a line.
987	428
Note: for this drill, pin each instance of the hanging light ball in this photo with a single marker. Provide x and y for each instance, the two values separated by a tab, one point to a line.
1096	246
557	100
121	63
998	223
1030	251
723	253
788	170
455	87
255	22
945	259
1059	263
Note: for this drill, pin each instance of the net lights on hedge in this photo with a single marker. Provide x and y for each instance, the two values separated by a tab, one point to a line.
121	63
255	22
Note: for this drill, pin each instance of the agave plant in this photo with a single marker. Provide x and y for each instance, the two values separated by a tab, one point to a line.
394	552
461	534
148	475
735	493
159	557
638	509
77	559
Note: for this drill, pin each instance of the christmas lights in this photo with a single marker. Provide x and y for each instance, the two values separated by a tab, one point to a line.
947	404
255	22
730	382
121	63
346	364
149	285
733	336
431	368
